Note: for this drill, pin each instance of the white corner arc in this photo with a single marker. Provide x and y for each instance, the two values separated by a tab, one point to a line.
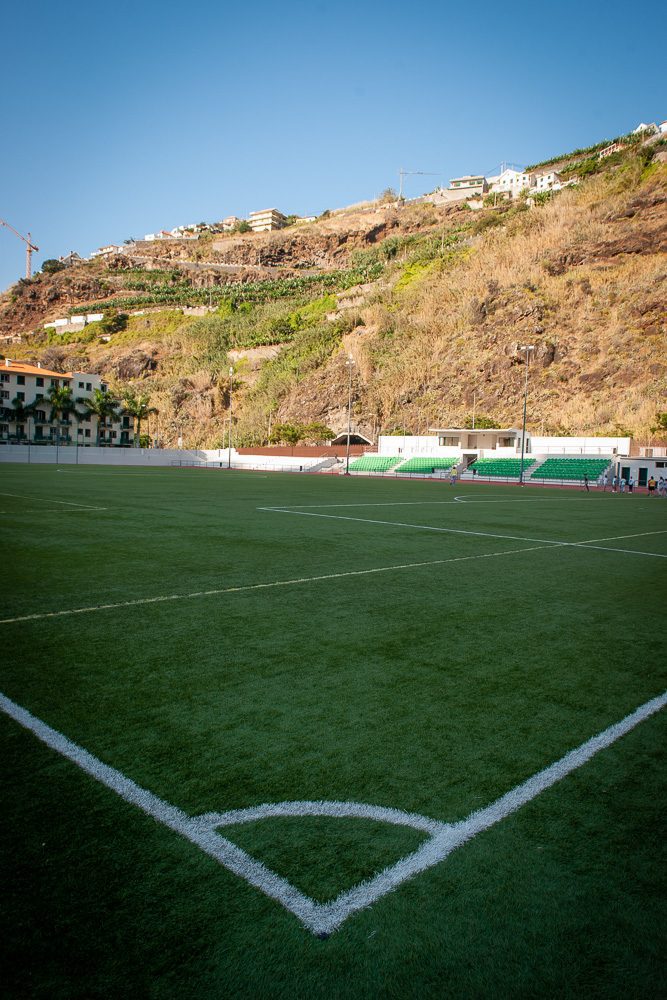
324	918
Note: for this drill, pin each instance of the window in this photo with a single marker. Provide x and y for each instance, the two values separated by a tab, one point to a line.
4	377
88	386
86	433
4	394
54	383
20	379
40	380
104	387
20	395
81	385
113	434
38	396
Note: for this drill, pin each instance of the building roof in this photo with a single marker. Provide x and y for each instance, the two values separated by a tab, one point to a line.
468	177
474	430
20	368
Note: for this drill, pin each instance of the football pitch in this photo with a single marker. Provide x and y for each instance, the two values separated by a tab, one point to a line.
293	736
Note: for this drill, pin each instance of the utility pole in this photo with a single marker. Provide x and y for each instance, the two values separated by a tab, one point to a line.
350	365
30	247
229	438
527	348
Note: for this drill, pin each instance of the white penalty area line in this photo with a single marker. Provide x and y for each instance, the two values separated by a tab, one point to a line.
322	919
62	503
544	542
264	586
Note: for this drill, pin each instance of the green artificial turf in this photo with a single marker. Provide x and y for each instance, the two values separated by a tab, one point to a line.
434	687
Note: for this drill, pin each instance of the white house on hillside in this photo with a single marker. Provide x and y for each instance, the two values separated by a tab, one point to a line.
470	184
266	220
545	180
510	182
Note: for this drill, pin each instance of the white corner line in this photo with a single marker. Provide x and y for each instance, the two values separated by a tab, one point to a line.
322	919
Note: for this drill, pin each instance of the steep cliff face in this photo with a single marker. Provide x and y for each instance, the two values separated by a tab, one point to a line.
442	299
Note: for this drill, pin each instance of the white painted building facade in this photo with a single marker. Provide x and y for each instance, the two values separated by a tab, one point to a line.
30	385
266	220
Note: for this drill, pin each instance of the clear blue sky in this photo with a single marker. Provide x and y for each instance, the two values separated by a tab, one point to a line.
120	119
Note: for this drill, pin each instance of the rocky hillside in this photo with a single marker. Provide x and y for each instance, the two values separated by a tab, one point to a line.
430	303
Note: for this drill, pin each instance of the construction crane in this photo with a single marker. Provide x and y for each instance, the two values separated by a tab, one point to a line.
409	173
30	247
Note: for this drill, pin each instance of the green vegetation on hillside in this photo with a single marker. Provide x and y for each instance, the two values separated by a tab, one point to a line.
179	292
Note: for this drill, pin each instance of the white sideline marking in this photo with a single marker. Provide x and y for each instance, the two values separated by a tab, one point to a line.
462	531
64	503
263	586
420	503
323	919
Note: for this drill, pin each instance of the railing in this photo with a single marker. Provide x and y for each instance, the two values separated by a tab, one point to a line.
238	467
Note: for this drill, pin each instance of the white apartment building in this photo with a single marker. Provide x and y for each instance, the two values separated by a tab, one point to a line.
231	222
266	220
470	184
107	251
29	385
545	180
510	182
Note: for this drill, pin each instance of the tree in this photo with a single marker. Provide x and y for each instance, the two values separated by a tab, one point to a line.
388	196
480	422
660	426
243	227
317	433
103	405
51	266
286	434
137	406
62	404
114	324
21	413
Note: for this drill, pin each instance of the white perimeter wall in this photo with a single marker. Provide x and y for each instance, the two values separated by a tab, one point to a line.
71	455
580	445
395	444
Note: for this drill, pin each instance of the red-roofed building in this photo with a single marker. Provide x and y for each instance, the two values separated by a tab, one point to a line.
23	416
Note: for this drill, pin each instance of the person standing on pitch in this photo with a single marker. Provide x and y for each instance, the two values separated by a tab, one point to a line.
605	481
631	484
614	484
586	485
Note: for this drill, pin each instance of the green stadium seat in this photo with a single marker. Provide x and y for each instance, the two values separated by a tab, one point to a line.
426	464
508	468
572	469
374	463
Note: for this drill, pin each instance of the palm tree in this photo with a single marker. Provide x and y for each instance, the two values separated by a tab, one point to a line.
62	404
20	413
136	406
102	404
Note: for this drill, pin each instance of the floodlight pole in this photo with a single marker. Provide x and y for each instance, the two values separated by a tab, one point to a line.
527	348
350	365
229	437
